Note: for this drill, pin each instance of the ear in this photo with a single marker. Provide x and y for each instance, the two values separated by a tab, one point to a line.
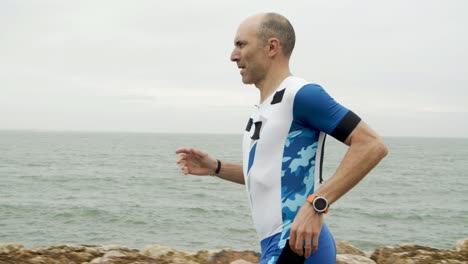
273	46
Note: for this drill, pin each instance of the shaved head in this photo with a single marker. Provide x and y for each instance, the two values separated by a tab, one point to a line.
277	26
262	47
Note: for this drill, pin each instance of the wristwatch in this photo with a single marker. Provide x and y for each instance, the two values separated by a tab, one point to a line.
319	203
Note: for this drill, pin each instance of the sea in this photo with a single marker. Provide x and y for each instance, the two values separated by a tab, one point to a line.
126	189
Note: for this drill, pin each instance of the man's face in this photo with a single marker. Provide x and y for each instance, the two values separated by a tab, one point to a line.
249	53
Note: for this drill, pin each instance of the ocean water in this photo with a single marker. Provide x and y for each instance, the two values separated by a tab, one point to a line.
126	189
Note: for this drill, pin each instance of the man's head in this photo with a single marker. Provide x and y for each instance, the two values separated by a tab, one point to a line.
261	41
277	26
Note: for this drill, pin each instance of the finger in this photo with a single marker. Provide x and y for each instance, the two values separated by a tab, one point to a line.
181	150
185	170
315	241
180	158
308	245
196	152
182	163
299	245
292	238
190	151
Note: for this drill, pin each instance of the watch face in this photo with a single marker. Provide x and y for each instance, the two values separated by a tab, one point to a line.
320	204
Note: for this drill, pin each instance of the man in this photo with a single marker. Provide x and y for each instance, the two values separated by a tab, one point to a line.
283	148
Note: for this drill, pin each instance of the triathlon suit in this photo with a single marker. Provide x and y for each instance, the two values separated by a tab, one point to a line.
282	163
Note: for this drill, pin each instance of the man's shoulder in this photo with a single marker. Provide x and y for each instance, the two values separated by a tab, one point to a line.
295	84
300	91
308	91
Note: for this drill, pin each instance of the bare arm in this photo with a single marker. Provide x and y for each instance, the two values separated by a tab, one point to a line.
197	162
232	172
366	150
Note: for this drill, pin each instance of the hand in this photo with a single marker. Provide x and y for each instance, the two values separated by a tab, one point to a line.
196	162
305	231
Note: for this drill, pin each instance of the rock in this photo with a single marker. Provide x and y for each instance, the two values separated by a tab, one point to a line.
56	254
10	248
122	256
462	246
353	259
414	254
157	254
243	262
165	254
177	258
344	247
71	254
114	254
156	251
229	256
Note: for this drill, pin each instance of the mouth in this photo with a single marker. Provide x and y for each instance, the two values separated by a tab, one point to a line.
241	68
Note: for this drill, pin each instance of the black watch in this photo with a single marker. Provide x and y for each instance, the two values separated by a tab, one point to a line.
319	203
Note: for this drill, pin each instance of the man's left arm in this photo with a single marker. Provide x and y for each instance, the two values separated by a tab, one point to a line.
366	150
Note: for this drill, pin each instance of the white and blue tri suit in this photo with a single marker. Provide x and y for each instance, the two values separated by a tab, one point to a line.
282	162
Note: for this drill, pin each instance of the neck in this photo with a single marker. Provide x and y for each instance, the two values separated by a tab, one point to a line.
271	82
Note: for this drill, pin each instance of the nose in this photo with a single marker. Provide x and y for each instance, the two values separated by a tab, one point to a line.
235	56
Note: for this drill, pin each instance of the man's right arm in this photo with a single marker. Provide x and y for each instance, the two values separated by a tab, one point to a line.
231	172
197	162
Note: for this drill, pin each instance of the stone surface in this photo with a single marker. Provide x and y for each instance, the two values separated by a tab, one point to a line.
344	247
229	256
89	254
353	259
414	254
462	246
158	254
10	248
242	262
155	251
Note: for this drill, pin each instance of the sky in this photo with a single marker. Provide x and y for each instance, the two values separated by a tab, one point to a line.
163	66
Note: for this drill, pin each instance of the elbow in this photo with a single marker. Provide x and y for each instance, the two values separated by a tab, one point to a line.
380	148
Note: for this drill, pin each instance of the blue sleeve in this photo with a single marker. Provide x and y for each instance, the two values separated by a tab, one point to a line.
315	108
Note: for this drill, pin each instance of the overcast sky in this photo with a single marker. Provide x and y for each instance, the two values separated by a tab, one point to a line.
163	66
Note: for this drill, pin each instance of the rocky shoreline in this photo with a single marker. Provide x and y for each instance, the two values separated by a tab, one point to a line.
158	254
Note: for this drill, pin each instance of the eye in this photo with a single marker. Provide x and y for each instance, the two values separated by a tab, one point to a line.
240	44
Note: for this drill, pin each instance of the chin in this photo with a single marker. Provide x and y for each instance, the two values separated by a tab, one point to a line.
246	81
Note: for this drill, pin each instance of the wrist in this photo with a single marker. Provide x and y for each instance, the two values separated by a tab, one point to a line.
319	204
216	168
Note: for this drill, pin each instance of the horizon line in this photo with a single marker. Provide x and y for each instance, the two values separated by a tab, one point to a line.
36	130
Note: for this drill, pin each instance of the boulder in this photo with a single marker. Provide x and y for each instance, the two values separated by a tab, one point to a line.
243	262
10	248
344	247
353	259
414	254
226	256
165	254
158	254
462	246
157	251
90	254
